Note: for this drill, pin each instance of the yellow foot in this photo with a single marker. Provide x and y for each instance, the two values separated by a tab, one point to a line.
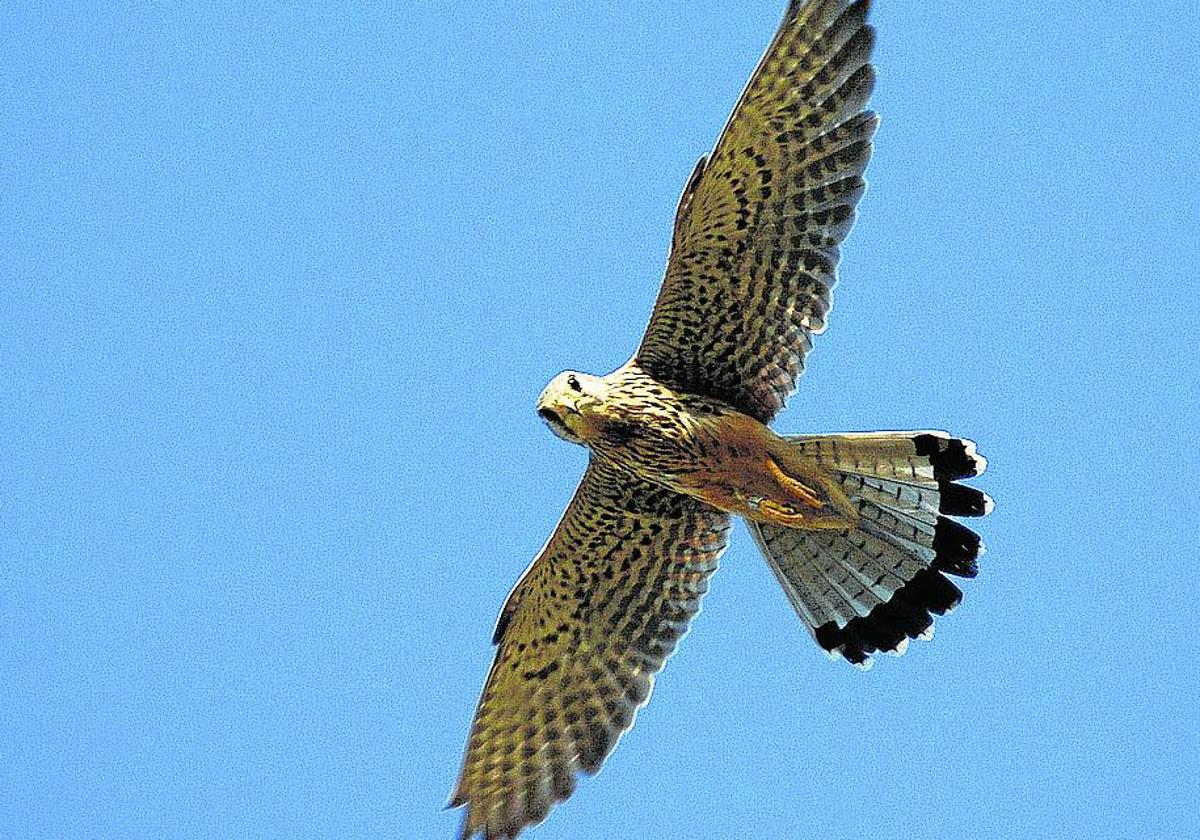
803	493
782	514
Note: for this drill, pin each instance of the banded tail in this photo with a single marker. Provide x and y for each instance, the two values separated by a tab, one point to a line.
875	587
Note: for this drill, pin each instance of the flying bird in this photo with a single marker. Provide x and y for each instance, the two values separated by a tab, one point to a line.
857	528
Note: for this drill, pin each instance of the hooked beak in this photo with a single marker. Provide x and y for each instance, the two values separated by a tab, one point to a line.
552	416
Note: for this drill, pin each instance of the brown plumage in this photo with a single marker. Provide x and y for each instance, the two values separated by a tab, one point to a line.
855	527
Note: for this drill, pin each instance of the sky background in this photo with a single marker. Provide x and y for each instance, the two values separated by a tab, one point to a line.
280	283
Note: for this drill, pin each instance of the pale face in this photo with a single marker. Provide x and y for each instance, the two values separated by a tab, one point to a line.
570	405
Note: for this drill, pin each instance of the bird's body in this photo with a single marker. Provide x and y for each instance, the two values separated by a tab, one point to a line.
695	445
857	528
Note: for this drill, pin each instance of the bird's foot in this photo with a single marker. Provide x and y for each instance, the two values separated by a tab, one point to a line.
801	491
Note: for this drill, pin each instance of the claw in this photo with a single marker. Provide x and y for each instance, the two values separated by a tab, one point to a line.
781	513
802	491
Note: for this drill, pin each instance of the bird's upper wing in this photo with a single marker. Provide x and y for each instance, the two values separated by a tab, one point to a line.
580	639
758	228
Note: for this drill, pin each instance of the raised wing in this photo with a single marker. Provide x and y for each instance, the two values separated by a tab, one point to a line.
580	639
757	233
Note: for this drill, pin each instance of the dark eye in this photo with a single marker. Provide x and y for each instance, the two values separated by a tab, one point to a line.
574	385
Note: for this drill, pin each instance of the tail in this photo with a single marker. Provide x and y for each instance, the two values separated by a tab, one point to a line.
873	588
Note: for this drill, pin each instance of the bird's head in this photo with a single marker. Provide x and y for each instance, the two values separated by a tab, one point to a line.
571	406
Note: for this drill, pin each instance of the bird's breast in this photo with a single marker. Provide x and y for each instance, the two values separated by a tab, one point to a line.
666	442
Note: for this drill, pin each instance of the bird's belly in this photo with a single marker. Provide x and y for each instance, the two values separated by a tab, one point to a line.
746	469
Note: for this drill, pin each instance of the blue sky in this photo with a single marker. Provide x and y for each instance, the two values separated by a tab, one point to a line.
279	286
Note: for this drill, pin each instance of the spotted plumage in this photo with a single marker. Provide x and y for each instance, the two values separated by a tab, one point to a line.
758	230
581	638
857	528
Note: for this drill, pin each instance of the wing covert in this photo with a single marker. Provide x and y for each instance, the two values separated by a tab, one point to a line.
758	230
581	637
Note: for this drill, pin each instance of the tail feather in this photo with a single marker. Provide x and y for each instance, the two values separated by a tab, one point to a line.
876	586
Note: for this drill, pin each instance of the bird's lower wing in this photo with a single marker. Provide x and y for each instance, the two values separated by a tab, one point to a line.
581	638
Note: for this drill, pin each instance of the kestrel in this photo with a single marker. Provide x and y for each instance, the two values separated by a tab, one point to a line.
855	527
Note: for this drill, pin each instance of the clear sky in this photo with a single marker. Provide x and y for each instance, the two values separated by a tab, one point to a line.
280	283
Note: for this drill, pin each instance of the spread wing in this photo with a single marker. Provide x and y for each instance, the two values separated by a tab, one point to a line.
757	233
580	639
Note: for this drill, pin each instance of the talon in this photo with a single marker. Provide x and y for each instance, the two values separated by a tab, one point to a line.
754	502
781	513
805	493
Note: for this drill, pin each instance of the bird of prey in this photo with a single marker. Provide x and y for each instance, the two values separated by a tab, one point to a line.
856	527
